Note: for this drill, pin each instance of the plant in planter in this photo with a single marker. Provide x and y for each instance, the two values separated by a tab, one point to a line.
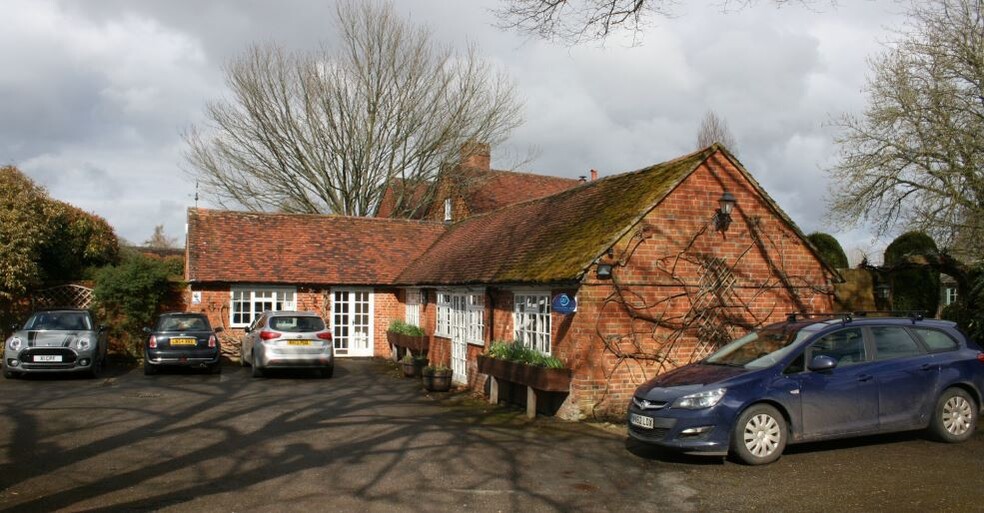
407	337
437	378
516	363
412	365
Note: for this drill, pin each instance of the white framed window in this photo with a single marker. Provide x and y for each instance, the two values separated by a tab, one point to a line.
950	296
475	318
413	307
247	303
443	314
531	319
461	314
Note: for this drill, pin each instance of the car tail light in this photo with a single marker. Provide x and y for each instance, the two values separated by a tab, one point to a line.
269	335
324	335
980	357
211	341
152	343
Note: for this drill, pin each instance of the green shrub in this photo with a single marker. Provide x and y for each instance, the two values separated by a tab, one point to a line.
968	310
830	250
515	351
131	294
402	328
913	289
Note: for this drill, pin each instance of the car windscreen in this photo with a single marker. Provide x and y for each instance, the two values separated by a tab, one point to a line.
68	321
758	349
296	323
183	323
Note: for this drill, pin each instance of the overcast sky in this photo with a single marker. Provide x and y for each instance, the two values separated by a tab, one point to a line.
95	95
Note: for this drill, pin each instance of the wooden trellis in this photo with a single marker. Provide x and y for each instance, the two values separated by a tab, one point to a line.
63	296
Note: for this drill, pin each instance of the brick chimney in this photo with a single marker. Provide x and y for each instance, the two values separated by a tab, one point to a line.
476	155
594	175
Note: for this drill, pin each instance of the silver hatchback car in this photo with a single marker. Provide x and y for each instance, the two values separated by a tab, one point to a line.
61	340
288	340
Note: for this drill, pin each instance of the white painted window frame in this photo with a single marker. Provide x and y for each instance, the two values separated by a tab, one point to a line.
371	303
474	313
528	326
444	301
414	300
281	298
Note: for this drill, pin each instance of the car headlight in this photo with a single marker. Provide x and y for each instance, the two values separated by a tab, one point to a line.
700	399
14	343
83	344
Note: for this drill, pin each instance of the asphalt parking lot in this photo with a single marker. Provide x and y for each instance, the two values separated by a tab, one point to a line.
367	440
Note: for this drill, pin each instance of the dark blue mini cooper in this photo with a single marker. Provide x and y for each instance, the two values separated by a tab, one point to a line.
805	380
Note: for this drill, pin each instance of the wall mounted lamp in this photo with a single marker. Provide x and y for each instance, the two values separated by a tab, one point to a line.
604	271
722	217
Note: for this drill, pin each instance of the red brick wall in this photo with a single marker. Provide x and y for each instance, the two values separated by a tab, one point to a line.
658	268
387	305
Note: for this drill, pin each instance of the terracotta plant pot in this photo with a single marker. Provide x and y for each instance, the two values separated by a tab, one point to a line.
539	378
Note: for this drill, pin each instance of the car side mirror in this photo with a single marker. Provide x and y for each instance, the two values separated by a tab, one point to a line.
246	329
146	330
822	363
103	327
219	329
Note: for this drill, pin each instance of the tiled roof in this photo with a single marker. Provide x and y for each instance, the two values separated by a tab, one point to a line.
551	239
495	189
296	248
487	190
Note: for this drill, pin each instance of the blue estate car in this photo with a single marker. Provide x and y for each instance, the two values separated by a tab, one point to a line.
814	379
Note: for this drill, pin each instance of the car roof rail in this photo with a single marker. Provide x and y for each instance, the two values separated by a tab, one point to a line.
915	315
795	316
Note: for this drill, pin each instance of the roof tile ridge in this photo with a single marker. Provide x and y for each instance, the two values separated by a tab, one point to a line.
314	215
532	173
703	153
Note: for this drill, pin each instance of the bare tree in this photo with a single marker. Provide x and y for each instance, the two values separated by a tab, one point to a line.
715	129
159	240
575	21
329	131
916	154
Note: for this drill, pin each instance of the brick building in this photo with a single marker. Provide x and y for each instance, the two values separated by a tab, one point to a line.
659	280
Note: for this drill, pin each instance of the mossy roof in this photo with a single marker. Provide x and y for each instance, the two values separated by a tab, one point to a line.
552	239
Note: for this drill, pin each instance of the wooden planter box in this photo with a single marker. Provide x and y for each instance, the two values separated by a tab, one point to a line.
539	378
416	345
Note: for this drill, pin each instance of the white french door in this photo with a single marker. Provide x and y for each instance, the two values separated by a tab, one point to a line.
351	322
459	342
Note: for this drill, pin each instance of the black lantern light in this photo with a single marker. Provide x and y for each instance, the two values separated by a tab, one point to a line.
604	271
722	218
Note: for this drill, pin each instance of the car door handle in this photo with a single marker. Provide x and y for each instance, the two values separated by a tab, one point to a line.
864	377
926	367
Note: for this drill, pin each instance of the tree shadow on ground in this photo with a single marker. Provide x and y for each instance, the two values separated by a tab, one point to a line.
363	439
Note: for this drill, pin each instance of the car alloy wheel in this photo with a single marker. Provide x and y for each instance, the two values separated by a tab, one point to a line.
957	413
762	435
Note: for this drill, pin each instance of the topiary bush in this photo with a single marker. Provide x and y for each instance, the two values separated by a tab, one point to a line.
830	250
913	289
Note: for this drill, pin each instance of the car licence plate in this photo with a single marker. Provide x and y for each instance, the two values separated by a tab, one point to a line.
183	341
641	421
298	342
47	358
